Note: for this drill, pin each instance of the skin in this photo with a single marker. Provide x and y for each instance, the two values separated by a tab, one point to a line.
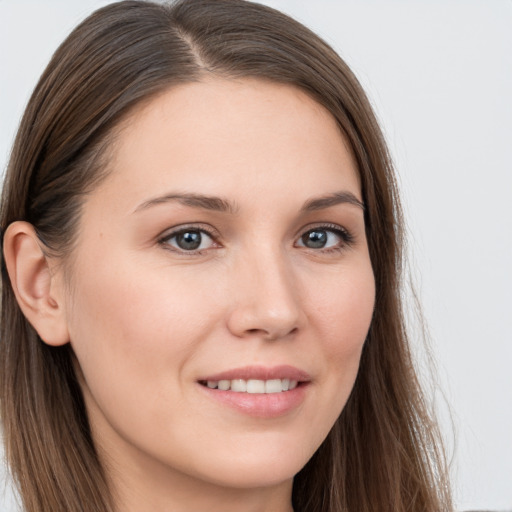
147	319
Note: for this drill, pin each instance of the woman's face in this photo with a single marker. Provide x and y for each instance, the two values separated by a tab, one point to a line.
225	251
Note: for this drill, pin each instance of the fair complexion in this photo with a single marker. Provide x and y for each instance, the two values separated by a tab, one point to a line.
226	245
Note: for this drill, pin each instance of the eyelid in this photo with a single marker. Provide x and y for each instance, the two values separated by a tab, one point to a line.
192	226
347	236
169	233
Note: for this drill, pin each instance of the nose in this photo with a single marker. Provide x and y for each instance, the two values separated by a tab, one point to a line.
266	301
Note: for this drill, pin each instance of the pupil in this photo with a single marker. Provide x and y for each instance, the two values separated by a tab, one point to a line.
315	239
189	240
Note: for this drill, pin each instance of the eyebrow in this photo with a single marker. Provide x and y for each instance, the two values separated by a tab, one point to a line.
218	204
320	203
193	200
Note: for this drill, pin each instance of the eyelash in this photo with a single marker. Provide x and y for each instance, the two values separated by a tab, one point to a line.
164	240
347	238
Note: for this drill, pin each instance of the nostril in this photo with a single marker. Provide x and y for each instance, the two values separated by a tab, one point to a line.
270	334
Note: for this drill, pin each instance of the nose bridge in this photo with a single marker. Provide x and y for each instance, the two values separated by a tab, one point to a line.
266	301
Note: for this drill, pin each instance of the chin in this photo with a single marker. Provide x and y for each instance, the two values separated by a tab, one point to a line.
258	467
247	476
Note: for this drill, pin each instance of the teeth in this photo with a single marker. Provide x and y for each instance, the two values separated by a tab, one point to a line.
273	386
239	385
224	385
254	386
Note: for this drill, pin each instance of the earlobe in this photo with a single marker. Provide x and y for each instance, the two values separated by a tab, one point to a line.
38	292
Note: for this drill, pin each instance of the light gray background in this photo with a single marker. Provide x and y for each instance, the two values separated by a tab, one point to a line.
439	74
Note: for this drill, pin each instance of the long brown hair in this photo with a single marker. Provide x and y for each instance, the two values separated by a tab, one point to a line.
383	453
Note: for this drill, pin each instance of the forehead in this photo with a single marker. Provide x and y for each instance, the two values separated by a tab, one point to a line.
220	135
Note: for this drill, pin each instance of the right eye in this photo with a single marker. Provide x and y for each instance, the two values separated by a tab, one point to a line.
189	240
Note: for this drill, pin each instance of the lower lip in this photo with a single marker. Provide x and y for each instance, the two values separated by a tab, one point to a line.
260	405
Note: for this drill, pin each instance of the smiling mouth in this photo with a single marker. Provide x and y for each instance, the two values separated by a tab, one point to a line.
252	386
263	392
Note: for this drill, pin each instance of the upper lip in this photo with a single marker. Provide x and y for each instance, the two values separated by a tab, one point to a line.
260	373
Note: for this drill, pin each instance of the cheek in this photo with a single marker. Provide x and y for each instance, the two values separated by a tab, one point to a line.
135	309
344	308
344	314
129	331
134	342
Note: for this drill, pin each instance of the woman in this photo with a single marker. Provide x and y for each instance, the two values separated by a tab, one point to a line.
202	255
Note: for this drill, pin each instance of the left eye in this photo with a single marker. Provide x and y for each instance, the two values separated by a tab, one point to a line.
321	238
190	240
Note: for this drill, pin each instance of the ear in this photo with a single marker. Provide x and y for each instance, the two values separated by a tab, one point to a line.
40	294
